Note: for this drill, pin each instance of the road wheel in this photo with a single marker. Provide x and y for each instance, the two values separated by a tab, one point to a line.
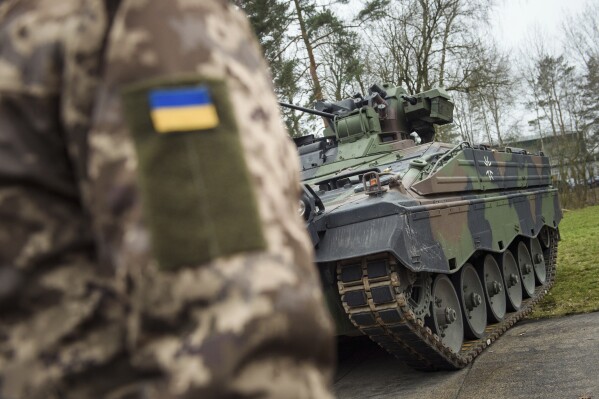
527	273
472	299
446	316
511	281
538	261
490	276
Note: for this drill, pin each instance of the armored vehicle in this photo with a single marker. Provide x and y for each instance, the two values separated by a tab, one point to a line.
432	250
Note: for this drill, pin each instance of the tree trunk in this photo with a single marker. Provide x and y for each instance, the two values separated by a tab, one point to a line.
309	50
448	25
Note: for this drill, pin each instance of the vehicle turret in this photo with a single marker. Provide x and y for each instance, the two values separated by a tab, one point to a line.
388	112
386	120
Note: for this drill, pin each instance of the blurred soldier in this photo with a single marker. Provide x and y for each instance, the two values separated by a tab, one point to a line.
149	241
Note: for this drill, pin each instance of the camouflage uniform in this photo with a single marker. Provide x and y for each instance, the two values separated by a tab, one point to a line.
86	310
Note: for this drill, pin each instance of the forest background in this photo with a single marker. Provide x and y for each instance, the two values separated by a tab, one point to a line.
333	49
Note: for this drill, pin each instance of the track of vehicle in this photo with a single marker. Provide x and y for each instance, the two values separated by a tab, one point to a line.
386	317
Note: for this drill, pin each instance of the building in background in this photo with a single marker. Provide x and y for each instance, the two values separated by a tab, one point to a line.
572	162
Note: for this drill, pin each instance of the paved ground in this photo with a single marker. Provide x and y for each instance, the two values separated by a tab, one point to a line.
557	358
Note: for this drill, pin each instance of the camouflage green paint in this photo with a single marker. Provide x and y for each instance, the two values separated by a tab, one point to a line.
364	131
443	205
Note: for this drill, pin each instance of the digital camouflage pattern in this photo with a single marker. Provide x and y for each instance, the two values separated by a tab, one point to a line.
85	310
388	218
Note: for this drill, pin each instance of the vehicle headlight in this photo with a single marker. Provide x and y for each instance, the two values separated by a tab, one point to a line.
302	208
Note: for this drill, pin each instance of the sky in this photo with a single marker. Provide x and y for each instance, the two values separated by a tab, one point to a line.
513	21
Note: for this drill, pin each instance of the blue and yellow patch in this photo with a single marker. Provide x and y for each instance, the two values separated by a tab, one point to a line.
182	109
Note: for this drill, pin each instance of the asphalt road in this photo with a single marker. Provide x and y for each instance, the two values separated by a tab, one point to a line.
556	358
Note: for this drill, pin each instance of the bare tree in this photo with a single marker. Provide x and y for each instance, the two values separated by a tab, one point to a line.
582	34
495	83
425	43
553	83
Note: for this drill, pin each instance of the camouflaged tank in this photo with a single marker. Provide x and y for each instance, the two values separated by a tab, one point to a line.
432	250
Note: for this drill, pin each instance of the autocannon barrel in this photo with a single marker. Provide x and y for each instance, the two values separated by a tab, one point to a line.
307	110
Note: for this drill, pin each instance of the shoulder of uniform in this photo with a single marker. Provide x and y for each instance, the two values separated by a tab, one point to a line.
35	37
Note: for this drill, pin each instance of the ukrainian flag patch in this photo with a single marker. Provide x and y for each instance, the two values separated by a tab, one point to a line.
182	109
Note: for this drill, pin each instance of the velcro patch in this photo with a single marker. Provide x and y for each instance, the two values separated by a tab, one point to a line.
197	195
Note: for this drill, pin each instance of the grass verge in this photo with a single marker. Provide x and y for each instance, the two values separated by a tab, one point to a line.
576	288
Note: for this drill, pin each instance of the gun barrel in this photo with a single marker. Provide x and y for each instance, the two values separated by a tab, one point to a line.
307	110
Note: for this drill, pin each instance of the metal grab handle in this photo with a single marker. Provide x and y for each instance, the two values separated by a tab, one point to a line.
447	155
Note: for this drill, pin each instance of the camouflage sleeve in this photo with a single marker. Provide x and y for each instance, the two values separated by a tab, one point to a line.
51	297
38	187
200	217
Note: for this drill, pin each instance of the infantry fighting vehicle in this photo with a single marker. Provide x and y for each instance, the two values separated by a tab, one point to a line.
432	250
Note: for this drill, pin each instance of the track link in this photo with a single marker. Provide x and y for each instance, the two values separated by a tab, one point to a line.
370	294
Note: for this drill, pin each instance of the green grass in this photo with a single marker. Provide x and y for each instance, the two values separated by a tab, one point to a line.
576	288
